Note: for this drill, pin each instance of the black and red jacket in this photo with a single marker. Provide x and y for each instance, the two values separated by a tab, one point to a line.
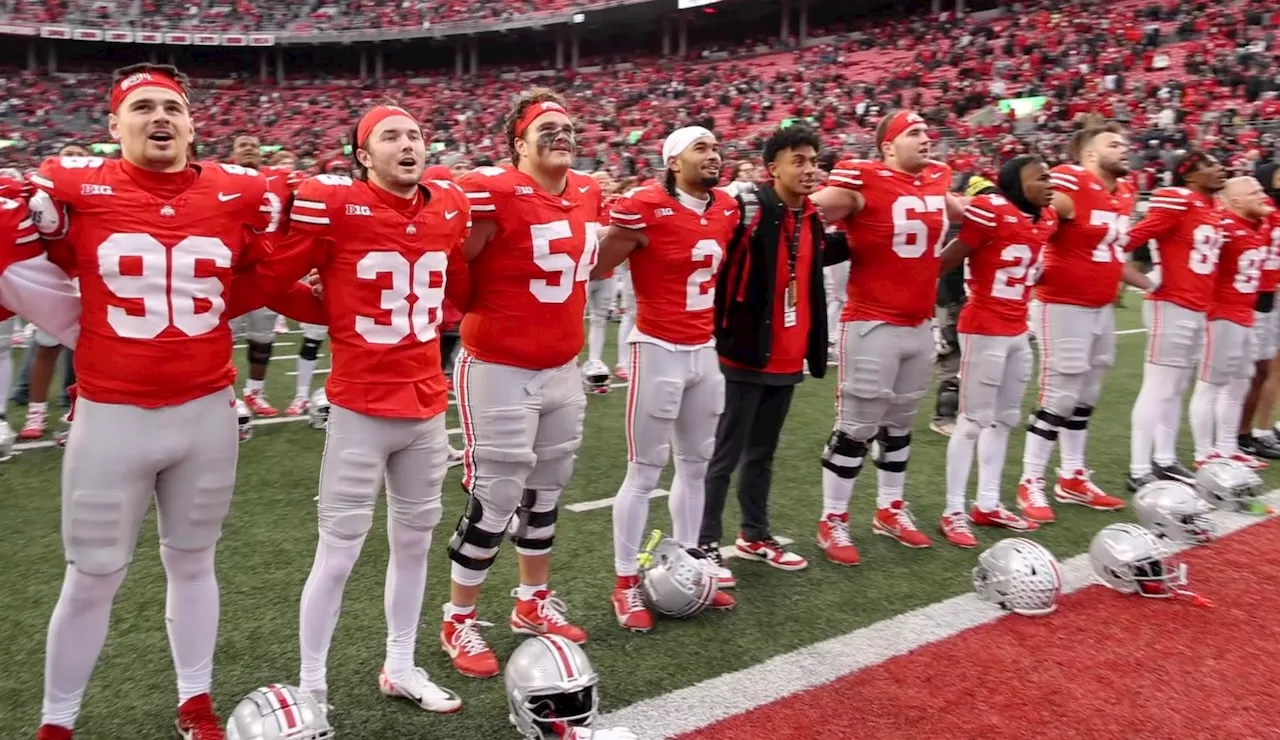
747	285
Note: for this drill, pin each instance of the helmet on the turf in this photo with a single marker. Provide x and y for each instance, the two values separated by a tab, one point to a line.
318	409
1228	485
595	377
279	712
245	418
549	682
673	581
1173	510
1019	575
1132	560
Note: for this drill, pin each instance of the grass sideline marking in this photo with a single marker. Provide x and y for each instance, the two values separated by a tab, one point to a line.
700	705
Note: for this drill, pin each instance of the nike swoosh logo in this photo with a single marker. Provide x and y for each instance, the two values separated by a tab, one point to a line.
729	212
448	215
224	197
584	188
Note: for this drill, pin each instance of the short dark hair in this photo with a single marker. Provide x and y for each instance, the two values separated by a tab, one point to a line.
791	137
827	160
522	104
1085	136
358	170
1187	165
167	69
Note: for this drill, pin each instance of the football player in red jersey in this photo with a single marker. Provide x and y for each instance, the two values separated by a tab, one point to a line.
387	249
1184	227
895	213
158	243
20	244
1074	317
1227	363
1002	238
259	326
520	395
1257	436
674	236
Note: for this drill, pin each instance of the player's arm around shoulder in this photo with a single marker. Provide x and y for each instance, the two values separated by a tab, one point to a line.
487	190
457	285
629	220
842	196
59	185
272	266
31	285
978	225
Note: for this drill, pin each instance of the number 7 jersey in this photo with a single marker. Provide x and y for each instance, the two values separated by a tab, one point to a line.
529	282
155	272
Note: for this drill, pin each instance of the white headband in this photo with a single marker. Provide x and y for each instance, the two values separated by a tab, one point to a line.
680	139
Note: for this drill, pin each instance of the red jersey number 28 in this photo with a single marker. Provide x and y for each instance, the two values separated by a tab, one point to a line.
165	280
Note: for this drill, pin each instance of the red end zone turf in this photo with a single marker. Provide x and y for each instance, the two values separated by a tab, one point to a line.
1103	666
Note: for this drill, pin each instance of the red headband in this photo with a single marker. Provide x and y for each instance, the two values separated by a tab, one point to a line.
377	115
154	78
532	112
898	125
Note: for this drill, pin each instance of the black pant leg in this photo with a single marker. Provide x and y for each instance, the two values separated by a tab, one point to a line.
757	465
740	403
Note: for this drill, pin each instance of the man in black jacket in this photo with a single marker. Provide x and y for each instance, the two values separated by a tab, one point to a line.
770	320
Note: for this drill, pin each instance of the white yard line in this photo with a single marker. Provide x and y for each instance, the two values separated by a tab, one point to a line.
708	702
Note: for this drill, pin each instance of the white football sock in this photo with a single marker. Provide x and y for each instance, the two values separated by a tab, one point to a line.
960	450
6	371
77	632
524	593
306	370
1228	409
595	339
687	501
1147	414
405	587
1203	402
321	604
631	514
1165	451
891	484
191	617
836	493
1036	449
251	385
624	330
1072	444
993	446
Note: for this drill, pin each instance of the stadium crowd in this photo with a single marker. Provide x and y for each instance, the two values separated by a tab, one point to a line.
1176	73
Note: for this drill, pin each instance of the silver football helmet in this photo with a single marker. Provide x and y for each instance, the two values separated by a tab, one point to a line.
318	409
595	377
1228	485
1133	560
1019	575
279	712
8	438
549	681
1173	511
246	420
673	581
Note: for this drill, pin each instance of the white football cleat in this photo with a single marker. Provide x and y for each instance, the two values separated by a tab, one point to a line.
418	688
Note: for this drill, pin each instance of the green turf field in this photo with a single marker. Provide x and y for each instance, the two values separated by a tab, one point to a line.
269	540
